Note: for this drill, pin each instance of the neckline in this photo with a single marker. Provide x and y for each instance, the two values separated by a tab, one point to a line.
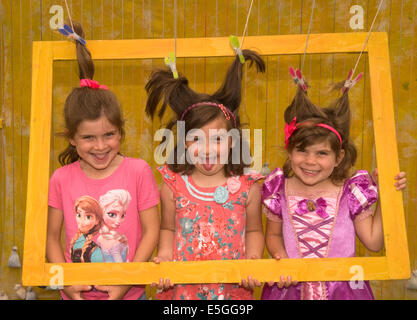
103	180
313	194
192	182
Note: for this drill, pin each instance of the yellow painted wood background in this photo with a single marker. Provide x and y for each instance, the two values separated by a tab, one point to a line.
264	96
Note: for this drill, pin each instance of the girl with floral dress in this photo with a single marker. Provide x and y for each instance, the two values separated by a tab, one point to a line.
211	208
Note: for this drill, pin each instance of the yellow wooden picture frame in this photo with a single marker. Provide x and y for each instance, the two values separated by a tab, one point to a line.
395	265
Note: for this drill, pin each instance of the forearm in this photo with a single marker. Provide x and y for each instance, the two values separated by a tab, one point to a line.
275	246
166	243
54	252
376	235
146	247
254	244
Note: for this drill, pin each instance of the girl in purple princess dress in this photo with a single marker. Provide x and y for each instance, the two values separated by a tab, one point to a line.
314	205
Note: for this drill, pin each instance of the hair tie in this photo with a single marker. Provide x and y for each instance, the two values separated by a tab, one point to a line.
92	84
297	77
292	126
227	113
349	83
71	34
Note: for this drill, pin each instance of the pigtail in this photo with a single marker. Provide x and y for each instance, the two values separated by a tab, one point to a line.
302	108
230	92
85	61
339	110
163	87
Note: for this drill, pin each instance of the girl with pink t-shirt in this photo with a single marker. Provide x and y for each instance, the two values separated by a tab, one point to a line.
107	202
211	208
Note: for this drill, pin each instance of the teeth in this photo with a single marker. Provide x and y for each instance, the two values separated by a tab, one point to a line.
310	171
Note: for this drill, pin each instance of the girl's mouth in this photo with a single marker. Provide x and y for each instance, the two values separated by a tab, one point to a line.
310	172
100	156
208	163
208	166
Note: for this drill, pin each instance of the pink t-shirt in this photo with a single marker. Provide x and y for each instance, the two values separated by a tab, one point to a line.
101	217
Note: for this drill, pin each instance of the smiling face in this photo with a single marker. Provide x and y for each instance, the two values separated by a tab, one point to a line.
314	164
97	143
210	147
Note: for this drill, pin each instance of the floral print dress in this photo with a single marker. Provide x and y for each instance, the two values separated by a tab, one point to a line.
208	230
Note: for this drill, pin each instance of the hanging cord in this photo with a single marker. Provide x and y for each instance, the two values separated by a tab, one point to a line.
69	15
246	25
367	38
308	33
175	29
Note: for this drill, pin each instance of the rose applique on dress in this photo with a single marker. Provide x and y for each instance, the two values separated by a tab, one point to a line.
221	195
233	184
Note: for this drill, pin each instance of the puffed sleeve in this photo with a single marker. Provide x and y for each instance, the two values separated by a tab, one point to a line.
169	177
362	193
271	196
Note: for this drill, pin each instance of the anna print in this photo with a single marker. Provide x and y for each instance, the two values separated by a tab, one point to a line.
89	218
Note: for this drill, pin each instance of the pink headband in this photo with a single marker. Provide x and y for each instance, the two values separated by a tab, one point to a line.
227	113
290	128
92	84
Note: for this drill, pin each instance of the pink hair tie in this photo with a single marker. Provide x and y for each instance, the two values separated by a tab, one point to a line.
92	84
227	113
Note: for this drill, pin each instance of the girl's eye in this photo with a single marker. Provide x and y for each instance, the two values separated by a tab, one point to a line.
88	137
109	134
323	153
111	214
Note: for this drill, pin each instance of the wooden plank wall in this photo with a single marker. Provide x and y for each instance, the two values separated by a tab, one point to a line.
264	96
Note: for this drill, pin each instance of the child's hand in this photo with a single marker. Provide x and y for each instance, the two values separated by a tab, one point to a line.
282	282
250	284
114	292
162	284
400	177
401	181
75	292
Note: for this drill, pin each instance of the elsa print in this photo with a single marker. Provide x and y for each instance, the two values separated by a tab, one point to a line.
113	244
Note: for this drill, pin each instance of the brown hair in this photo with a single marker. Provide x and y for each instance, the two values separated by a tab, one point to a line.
336	115
85	103
163	87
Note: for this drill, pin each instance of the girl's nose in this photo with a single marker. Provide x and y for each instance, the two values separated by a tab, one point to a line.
310	159
100	144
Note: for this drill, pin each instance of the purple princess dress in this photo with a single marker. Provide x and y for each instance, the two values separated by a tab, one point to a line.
319	226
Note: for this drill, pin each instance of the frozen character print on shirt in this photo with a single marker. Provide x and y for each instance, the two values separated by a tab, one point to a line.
89	218
114	244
